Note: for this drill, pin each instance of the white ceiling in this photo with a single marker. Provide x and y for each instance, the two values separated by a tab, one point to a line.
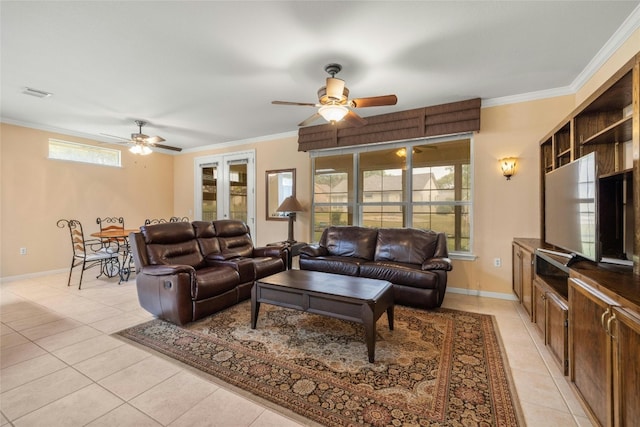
205	72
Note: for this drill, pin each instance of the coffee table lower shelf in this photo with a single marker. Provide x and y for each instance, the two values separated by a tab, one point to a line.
349	298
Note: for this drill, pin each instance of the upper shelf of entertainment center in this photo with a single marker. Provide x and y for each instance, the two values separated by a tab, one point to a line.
607	119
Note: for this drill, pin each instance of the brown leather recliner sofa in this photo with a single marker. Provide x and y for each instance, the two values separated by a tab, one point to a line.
415	261
186	271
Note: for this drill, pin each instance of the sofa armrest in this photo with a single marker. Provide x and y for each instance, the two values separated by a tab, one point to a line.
167	291
437	264
313	250
166	270
269	251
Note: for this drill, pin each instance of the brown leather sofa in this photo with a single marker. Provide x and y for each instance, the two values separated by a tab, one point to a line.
186	271
415	261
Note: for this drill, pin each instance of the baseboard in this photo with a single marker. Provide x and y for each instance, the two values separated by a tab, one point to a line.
479	293
32	275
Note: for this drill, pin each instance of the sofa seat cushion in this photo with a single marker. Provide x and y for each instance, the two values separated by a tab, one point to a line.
213	281
400	274
266	266
333	264
244	266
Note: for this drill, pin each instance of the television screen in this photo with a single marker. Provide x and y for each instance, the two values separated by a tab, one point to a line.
570	207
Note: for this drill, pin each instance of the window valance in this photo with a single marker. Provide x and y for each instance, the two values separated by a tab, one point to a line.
443	119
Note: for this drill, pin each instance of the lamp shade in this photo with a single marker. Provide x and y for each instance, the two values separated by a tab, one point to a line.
508	166
290	204
333	113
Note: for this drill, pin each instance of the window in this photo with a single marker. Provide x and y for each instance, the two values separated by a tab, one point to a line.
63	150
425	184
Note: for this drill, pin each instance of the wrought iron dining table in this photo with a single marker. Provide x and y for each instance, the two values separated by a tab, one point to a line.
120	235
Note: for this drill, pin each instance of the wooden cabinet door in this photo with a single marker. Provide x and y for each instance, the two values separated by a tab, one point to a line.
539	307
627	367
590	349
527	281
557	331
517	271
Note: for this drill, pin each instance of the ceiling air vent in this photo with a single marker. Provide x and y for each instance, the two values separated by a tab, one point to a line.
36	92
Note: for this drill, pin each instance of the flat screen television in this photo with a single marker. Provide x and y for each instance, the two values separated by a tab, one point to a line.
571	208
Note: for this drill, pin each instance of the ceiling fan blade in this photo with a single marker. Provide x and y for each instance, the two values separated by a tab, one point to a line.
116	137
305	104
310	120
154	139
335	87
353	119
166	147
374	101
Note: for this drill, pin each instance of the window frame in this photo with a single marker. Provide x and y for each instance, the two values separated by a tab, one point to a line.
80	148
355	205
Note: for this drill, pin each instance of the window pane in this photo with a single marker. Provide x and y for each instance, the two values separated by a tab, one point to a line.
325	216
63	150
382	176
383	216
332	192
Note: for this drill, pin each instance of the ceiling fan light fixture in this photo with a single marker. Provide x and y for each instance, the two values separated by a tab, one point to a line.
333	113
140	149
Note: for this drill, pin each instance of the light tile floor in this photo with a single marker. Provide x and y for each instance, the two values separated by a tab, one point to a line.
59	366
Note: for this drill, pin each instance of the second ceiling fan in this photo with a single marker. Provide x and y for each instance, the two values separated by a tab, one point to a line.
334	103
141	143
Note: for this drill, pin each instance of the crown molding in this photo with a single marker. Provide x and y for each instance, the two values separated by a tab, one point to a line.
622	34
107	140
293	133
628	27
529	96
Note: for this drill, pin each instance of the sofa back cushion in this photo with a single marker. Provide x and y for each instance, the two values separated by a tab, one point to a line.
172	243
351	241
206	237
234	237
408	245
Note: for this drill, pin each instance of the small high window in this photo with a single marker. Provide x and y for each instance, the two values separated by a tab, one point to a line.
75	152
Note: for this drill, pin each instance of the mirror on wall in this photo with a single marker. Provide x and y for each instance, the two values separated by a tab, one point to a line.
280	185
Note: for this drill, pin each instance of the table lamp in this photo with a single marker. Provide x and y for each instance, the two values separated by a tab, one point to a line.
291	206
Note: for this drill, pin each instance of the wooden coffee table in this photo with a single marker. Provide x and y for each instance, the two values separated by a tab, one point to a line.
356	299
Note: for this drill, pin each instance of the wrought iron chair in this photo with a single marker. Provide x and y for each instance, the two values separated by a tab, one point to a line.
89	253
155	221
162	220
179	219
115	223
111	223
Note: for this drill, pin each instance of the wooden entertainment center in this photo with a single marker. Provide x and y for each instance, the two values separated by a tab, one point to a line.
588	313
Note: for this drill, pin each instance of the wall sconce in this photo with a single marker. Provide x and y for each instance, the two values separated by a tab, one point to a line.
508	166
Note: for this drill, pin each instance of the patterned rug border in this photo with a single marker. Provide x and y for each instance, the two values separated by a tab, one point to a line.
257	393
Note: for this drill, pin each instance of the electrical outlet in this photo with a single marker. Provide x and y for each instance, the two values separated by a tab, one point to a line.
497	262
23	251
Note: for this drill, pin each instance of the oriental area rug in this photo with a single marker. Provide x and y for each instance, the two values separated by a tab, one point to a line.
436	368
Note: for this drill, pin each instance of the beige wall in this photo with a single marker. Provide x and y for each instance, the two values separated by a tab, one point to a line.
36	192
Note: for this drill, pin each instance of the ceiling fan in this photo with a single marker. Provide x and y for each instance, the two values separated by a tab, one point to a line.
142	144
334	103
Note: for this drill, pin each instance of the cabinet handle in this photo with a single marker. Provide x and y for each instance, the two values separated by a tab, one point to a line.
602	319
611	319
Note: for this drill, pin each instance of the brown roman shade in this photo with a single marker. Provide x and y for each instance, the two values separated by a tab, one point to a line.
444	119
